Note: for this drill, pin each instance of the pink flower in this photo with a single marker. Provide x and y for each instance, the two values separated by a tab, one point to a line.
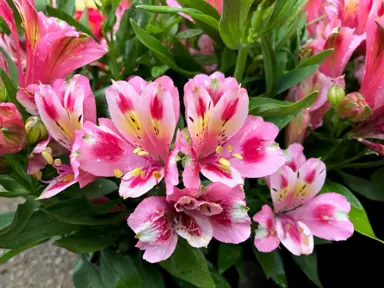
63	108
54	49
197	215
225	144
145	116
95	20
13	136
298	213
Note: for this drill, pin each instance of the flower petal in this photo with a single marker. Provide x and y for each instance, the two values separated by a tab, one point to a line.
266	239
282	186
233	224
295	156
217	172
326	216
139	181
295	236
26	97
258	154
57	185
193	227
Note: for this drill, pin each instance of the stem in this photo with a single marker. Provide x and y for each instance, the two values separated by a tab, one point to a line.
354	158
240	63
365	165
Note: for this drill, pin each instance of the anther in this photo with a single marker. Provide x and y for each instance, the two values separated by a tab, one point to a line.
118	173
238	156
219	149
156	175
224	162
143	153
230	148
47	157
57	162
136	172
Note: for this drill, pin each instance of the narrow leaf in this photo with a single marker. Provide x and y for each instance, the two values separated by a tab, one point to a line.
85	275
228	256
308	264
316	59
293	77
269	64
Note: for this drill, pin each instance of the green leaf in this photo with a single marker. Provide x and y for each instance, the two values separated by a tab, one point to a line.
308	264
12	68
293	77
150	275
14	252
270	107
357	215
157	71
89	239
23	214
189	33
183	57
220	281
316	59
228	256
273	266
233	22
195	14
67	6
53	12
39	227
281	121
269	64
202	6
159	50
11	91
189	264
98	188
85	275
6	218
10	188
373	190
118	271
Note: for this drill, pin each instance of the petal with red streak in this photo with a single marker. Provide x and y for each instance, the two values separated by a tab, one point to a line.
266	239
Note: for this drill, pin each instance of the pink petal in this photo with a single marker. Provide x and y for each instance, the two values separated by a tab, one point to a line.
137	83
377	147
192	167
179	193
89	105
26	97
151	223
57	185
159	118
255	144
233	225
310	180
266	239
326	215
295	156
282	186
100	152
133	185
171	173
372	85
174	3
344	42
193	227
36	161
295	236
217	172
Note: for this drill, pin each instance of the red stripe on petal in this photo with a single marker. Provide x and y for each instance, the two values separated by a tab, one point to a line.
107	146
310	177
201	107
124	103
253	150
189	224
156	108
50	109
230	110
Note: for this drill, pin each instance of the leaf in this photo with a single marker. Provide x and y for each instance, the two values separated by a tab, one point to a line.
269	64
89	239
202	6
85	275
228	256
189	33
157	71
159	50
189	264
6	218
195	14
14	252
357	215
220	281
150	275
273	266
98	188
183	57
316	59
233	22
10	188
270	107
23	214
293	77
308	264
281	121
67	6
11	66
373	190
119	271
11	91
53	12
39	227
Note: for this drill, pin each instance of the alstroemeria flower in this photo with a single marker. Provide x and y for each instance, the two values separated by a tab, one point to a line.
13	136
145	116
95	20
226	144
63	108
298	213
54	49
196	215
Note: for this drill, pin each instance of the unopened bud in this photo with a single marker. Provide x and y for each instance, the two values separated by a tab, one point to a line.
353	107
36	130
335	95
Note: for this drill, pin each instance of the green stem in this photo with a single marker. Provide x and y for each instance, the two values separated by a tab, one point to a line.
342	164
240	62
365	165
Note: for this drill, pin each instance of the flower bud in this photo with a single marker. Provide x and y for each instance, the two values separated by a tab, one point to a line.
297	128
335	95
36	130
353	107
